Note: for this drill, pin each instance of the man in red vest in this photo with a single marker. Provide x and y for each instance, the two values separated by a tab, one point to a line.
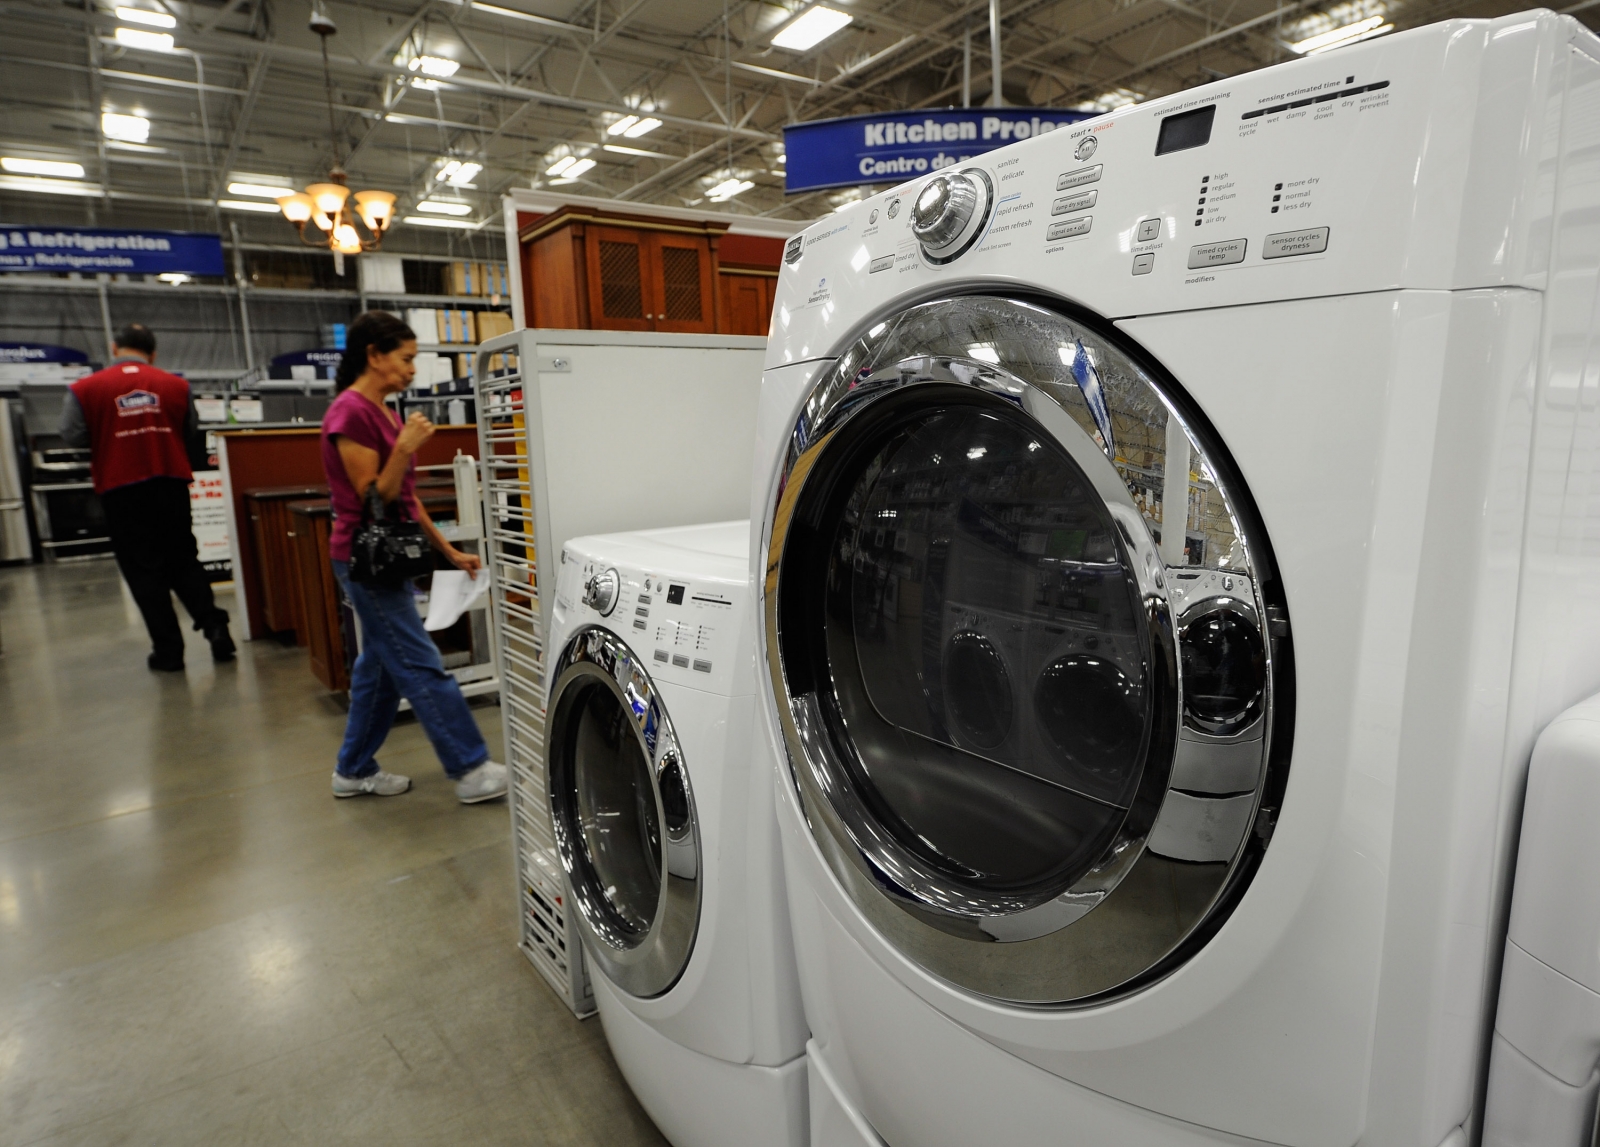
138	423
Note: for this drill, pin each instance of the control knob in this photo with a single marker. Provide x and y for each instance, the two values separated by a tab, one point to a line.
600	592
948	211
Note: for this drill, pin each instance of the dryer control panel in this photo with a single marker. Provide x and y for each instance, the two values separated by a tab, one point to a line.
1410	161
687	623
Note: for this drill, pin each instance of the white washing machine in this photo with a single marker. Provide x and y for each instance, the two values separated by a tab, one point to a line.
1172	533
662	804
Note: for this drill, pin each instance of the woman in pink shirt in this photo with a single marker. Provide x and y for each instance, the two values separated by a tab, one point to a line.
364	442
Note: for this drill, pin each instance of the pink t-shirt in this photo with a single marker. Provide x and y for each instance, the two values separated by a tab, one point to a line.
352	415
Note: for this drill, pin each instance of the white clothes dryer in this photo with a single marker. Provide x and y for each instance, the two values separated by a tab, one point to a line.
1172	533
662	805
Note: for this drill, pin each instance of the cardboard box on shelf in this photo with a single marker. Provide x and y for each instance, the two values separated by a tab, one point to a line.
465	279
456	326
492	323
381	274
425	322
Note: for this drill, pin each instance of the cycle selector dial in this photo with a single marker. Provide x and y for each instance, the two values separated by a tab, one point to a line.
600	592
949	212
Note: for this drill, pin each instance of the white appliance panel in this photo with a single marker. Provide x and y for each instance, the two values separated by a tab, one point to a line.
1409	192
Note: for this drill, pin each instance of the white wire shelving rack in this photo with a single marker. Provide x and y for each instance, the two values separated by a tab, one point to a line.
549	937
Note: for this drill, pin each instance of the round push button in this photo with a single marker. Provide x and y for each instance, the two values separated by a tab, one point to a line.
1086	147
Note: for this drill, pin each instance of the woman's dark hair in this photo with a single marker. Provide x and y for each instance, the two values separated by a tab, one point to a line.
378	329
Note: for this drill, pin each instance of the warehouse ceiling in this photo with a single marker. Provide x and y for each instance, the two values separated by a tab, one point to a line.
509	89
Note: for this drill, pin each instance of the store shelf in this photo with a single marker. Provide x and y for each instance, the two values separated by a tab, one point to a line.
445	300
32	283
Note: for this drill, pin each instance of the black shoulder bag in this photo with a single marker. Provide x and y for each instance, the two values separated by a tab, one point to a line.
386	550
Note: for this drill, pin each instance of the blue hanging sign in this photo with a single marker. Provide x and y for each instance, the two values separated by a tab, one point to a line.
95	249
39	352
897	146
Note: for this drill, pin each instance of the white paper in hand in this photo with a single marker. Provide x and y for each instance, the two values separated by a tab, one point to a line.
453	593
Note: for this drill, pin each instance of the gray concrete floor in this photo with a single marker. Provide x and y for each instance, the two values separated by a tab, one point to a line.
198	944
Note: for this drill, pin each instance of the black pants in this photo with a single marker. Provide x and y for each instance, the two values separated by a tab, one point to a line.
155	547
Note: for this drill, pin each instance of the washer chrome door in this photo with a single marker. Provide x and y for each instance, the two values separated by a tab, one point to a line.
978	651
623	812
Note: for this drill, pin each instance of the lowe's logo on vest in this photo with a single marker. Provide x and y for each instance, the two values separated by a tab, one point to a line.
137	402
879	148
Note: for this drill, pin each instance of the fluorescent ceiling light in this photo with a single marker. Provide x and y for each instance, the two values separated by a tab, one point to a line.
437	66
173	277
434	221
259	190
784	158
633	126
727	189
561	165
42	167
459	174
48	186
145	16
129	128
621	150
811	28
444	207
149	41
579	168
246	205
1347	34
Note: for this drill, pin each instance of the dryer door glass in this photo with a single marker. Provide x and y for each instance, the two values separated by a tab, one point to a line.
986	649
1017	633
615	811
623	811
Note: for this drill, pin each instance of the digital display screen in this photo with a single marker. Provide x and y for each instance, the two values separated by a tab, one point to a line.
674	595
1185	130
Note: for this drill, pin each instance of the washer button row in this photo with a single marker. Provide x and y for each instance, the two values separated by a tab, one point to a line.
1069	228
1077	201
1080	177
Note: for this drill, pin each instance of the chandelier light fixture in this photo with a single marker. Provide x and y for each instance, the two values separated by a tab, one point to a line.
330	205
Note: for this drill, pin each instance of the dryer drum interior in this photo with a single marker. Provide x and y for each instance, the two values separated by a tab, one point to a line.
1035	745
623	813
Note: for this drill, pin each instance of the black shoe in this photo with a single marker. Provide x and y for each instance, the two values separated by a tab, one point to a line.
222	646
165	662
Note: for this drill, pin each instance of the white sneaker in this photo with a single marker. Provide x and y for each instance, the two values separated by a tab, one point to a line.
483	783
379	784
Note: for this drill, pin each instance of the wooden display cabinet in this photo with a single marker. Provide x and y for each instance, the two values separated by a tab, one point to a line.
272	527
602	271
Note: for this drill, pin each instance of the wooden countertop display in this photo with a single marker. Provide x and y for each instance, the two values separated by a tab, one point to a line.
253	460
327	642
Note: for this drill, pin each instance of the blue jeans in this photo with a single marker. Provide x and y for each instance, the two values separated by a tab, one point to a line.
399	659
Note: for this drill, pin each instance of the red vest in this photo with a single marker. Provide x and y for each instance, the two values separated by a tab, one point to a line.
135	414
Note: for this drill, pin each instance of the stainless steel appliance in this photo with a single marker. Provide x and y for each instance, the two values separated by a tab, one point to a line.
16	542
71	521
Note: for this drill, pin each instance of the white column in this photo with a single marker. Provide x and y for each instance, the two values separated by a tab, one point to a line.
996	100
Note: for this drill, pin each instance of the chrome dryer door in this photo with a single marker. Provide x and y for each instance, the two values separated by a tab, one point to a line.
623	813
1026	650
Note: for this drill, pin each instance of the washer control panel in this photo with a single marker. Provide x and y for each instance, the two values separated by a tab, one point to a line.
684	626
1320	176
